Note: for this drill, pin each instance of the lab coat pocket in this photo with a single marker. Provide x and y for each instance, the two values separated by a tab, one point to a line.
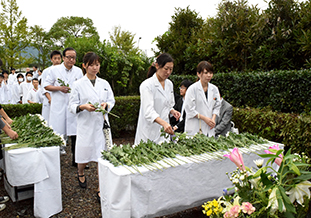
104	94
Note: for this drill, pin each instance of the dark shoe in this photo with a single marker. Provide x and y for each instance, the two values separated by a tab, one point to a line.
98	197
82	184
74	164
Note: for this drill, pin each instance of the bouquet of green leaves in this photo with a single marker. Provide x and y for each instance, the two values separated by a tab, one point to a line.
32	131
99	108
200	148
62	83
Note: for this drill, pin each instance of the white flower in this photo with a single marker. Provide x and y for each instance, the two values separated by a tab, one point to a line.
259	162
273	202
298	191
242	177
235	181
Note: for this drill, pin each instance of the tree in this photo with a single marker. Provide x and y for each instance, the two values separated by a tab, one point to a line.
71	26
123	40
233	35
40	41
178	41
279	49
14	35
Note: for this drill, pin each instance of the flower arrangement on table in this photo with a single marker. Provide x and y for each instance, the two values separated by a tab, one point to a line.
183	149
32	131
266	192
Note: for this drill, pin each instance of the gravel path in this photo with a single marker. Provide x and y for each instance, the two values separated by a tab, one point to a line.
78	202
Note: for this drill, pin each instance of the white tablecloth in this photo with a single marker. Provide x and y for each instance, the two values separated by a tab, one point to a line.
41	167
158	193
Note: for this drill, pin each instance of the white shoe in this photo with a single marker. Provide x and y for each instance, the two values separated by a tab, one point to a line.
4	199
2	207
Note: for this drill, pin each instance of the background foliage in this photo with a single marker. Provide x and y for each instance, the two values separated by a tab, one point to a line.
284	91
293	130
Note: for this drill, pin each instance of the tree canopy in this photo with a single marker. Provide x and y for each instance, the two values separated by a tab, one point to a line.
14	35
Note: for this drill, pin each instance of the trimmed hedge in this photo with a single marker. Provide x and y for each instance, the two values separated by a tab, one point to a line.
290	129
284	91
17	110
293	130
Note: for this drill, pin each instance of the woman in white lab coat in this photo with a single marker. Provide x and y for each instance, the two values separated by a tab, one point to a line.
156	102
90	137
202	102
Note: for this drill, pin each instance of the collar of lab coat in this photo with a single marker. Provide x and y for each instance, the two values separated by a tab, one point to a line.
158	85
209	92
90	85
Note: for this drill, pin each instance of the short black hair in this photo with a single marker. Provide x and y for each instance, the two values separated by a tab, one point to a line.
29	73
5	71
68	49
36	79
12	68
186	83
20	75
55	52
1	75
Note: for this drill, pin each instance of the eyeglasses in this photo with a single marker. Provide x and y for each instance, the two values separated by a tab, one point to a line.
182	88
71	57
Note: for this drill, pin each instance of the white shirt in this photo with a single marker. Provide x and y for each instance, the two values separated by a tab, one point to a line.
33	95
25	87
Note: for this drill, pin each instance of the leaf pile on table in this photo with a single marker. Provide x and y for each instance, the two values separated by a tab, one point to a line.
183	149
32	131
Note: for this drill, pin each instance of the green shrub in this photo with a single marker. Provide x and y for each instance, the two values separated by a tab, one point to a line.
284	91
127	107
16	110
293	130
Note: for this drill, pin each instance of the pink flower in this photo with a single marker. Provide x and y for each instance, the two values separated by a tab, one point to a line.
247	208
278	161
234	211
236	157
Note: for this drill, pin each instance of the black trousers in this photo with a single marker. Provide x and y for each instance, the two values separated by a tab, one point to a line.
73	149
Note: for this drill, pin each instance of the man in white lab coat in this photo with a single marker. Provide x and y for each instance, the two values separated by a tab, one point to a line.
26	86
62	121
56	59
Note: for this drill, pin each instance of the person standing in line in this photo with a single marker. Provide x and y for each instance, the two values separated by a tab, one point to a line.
33	93
90	137
16	89
179	125
12	77
26	86
35	71
5	94
202	102
156	102
62	121
56	59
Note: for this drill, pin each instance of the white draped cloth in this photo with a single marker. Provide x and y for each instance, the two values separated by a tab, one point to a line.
159	193
41	167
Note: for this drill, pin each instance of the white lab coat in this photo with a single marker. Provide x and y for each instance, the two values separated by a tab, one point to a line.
154	102
196	102
5	93
62	121
25	87
90	137
16	93
45	100
33	95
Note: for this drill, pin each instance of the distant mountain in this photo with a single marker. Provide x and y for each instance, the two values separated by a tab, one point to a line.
30	51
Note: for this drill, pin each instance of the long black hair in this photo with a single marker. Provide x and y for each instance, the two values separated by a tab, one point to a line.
161	60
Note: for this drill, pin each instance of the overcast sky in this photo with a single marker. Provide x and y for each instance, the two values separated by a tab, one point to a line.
145	19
